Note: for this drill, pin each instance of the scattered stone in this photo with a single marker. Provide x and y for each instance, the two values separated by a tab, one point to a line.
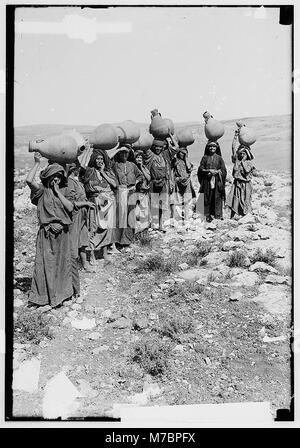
106	313
76	306
156	295
267	339
79	300
18	303
122	323
279	279
26	377
178	348
211	226
275	298
73	314
231	245
183	266
94	336
245	279
140	323
17	292
208	361
153	316
98	350
236	296
44	309
83	324
260	266
247	219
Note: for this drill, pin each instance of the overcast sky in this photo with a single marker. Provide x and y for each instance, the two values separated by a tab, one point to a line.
91	66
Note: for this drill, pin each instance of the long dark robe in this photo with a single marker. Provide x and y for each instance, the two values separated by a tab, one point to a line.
79	234
127	175
213	197
102	219
52	276
239	197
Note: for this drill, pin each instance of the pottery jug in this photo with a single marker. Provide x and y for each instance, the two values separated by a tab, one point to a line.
213	129
161	127
128	132
144	142
62	148
185	137
104	137
246	135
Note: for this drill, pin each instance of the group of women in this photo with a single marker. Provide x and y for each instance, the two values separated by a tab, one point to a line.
103	206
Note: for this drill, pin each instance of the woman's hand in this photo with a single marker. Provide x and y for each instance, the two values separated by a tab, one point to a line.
90	204
55	187
37	157
56	227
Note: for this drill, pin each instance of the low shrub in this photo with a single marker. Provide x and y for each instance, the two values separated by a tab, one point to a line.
152	354
237	259
268	256
32	327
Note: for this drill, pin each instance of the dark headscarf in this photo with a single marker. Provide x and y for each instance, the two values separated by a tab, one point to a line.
95	154
210	143
247	150
51	170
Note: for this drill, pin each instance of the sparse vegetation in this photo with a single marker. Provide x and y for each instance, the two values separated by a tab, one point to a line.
237	259
268	256
156	262
174	327
199	251
32	327
143	238
152	354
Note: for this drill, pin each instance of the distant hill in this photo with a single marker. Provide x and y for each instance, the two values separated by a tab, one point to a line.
272	150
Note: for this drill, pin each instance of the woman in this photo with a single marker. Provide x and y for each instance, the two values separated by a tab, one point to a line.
158	160
78	230
239	198
212	176
183	185
52	277
128	176
99	182
142	195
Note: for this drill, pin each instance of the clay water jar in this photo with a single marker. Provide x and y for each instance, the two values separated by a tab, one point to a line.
246	136
62	148
213	129
160	127
185	137
104	136
144	142
128	132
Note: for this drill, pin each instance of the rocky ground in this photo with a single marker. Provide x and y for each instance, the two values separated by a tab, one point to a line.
200	314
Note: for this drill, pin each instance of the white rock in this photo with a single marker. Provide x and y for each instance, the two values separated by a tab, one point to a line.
183	266
73	314
260	266
275	298
60	397
231	245
18	303
84	324
236	296
275	339
26	377
245	279
76	306
247	219
94	336
276	279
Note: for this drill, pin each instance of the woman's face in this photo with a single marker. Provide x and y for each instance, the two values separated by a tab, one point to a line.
99	162
56	179
139	159
212	149
157	149
123	156
242	155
